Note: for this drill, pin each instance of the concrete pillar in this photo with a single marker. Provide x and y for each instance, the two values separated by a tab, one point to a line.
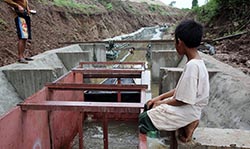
163	58
97	51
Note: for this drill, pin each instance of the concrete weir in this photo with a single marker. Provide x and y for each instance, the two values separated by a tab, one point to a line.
225	122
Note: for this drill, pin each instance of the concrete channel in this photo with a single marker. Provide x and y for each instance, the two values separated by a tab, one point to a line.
225	121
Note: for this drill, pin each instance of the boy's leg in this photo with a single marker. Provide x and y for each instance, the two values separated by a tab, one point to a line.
23	32
186	133
21	48
145	124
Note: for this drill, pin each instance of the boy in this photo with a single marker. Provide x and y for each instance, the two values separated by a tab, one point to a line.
180	108
22	20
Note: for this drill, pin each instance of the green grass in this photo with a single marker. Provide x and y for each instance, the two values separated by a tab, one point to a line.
3	24
157	9
109	6
44	1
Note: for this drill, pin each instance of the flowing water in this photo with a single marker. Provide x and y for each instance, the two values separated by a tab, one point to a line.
121	135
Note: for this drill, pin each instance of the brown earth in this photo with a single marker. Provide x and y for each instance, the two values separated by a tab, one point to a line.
234	51
52	24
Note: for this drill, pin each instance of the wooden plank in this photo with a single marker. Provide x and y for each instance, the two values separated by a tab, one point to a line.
108	107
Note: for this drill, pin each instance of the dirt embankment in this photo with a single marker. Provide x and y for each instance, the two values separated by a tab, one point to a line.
232	20
53	24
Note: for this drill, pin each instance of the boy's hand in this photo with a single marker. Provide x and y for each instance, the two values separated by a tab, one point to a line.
157	103
150	103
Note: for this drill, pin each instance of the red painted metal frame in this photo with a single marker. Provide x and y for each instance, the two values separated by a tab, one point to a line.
99	107
95	107
112	63
103	87
108	73
115	107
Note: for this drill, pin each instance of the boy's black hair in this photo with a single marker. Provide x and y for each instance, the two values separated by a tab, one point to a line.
190	32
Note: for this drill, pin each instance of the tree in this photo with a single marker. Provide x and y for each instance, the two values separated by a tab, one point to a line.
194	3
172	3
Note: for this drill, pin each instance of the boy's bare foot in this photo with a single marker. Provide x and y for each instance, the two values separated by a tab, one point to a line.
186	132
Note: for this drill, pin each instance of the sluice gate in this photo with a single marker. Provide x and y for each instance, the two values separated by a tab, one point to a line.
66	105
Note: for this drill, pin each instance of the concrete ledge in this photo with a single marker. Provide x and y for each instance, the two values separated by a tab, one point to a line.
215	138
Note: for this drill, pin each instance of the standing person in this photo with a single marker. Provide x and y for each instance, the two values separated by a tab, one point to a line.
180	109
23	26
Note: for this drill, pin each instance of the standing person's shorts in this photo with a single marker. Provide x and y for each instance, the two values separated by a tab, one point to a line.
23	27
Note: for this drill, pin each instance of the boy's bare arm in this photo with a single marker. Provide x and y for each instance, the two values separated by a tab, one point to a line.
161	97
172	102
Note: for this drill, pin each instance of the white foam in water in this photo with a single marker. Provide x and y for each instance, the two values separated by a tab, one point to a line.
156	143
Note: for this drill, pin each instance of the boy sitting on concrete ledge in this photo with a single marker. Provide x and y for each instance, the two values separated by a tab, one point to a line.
180	109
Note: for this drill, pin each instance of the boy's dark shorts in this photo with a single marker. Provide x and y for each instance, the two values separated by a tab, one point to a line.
145	123
23	27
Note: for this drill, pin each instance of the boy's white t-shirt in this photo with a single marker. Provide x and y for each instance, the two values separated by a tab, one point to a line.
193	89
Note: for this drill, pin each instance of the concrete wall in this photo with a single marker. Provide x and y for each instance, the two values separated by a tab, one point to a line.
9	96
229	99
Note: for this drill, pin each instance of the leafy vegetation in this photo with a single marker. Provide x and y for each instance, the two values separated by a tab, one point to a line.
3	24
107	3
234	10
208	11
43	1
195	3
157	8
109	6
